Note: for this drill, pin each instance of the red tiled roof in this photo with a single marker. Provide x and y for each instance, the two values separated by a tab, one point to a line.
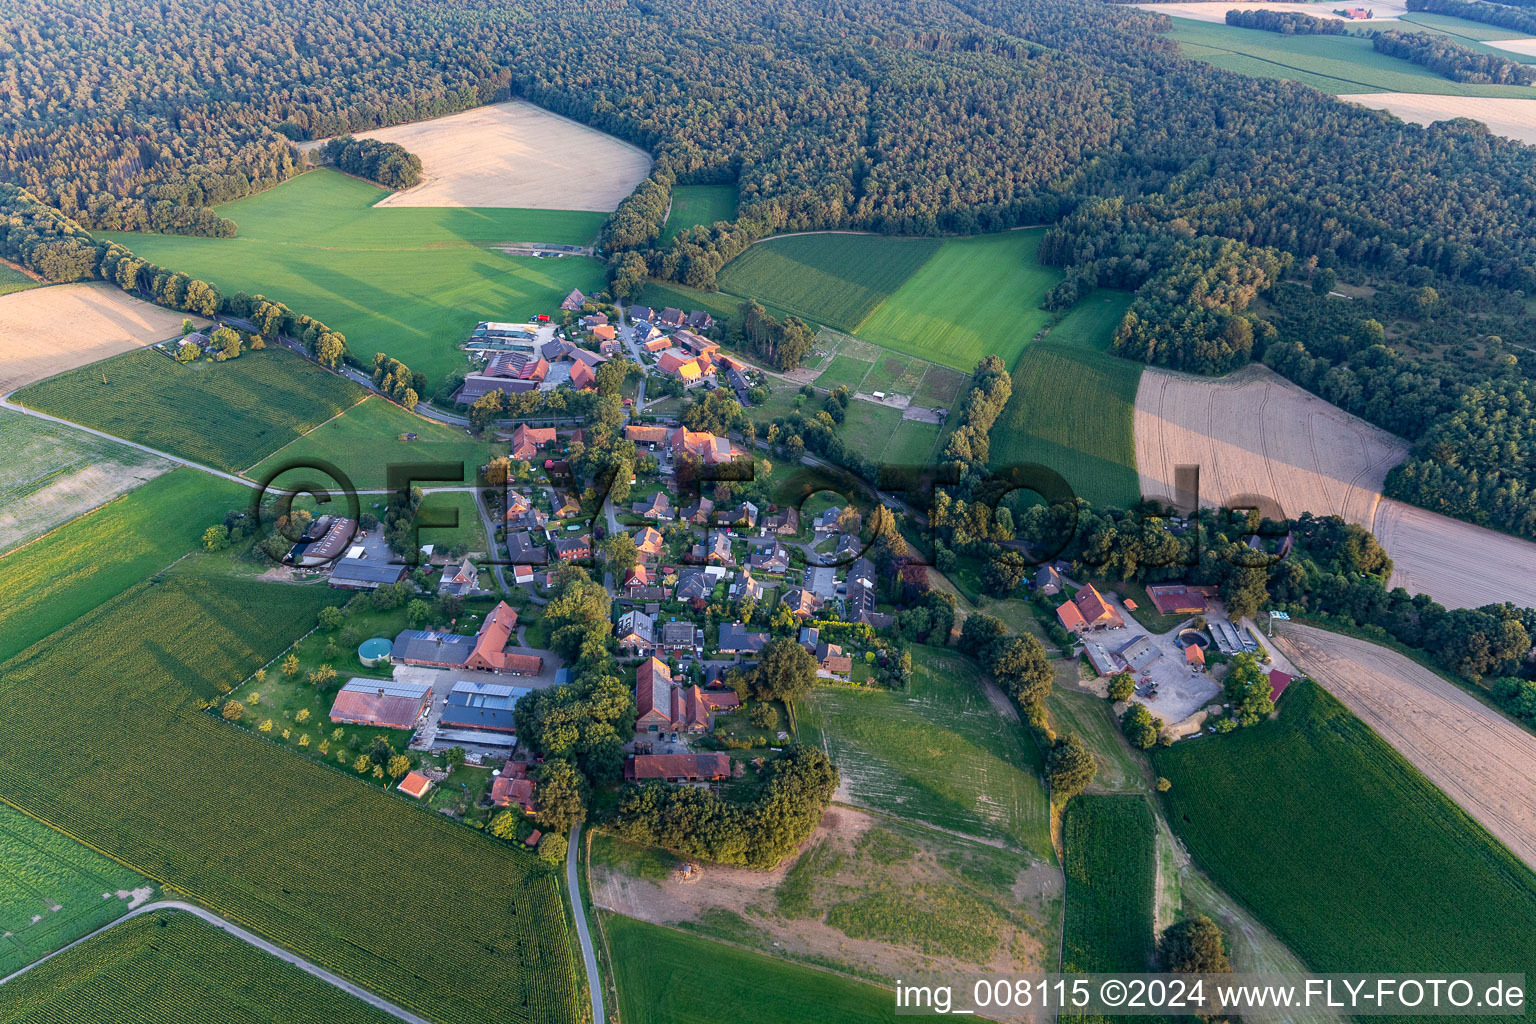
490	641
1094	608
647	435
677	766
415	784
582	376
653	692
1071	618
507	790
391	712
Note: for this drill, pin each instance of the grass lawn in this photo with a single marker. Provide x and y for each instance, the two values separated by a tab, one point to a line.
886	373
410	281
868	428
52	890
975	296
1334	64
834	279
1092	718
90	560
1073	406
1343	849
13	280
844	370
1111	868
366	440
170	965
939	754
912	444
669	977
226	415
698	204
279	857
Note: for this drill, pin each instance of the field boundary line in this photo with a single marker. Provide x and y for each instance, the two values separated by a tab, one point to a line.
289	444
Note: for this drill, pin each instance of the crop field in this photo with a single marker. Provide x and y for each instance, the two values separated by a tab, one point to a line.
226	415
669	977
1512	118
1467	33
170	965
1343	849
1074	410
53	890
54	473
1111	867
13	280
44	331
831	278
410	281
445	921
368	438
88	561
975	296
693	205
1334	64
940	753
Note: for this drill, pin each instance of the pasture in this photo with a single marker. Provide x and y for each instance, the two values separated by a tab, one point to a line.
89	560
694	205
44	331
831	278
226	415
1333	64
1111	868
13	280
515	154
53	890
366	440
1073	407
669	977
1343	849
973	297
54	472
941	753
444	921
412	282
169	965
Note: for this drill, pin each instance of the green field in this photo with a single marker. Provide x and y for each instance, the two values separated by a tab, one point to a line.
1092	718
226	415
693	205
834	279
366	440
41	869
844	370
410	281
974	297
1467	33
1334	64
668	977
1073	406
169	965
1344	850
13	280
1111	868
911	444
90	560
102	736
939	753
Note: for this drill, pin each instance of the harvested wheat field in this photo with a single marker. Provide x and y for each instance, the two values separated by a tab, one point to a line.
1217	12
1511	118
515	155
44	331
1459	564
1479	758
1523	46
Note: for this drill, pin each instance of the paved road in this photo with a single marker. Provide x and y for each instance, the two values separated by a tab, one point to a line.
249	937
594	979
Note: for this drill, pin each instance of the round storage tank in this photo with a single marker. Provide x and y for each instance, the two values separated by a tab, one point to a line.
371	652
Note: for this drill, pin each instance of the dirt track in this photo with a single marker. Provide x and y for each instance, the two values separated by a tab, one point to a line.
1511	118
44	331
1255	433
1483	761
515	155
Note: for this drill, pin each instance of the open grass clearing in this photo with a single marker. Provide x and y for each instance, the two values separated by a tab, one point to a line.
1344	849
1111	868
835	278
844	369
941	753
696	205
226	415
1092	718
53	890
44	331
170	965
412	282
446	922
54	472
974	296
60	577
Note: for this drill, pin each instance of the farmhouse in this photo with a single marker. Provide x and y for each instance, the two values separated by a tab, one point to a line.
513	787
366	574
653	696
682	368
1088	610
324	539
573	301
490	653
381	702
650	436
677	767
526	440
1179	598
481	706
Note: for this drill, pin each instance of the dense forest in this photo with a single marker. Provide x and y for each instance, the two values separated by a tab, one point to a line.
1287	23
1452	60
387	163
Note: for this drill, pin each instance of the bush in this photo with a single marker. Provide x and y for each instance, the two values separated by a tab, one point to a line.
552	848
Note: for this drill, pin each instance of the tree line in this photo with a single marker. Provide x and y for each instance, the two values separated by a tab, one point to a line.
1452	60
1504	15
1287	23
387	163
